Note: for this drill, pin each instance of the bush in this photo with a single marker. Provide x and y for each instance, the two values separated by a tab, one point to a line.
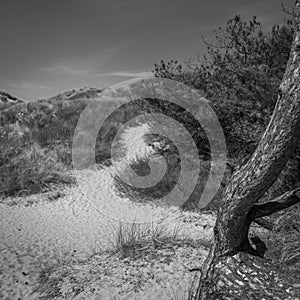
25	167
240	75
164	152
130	240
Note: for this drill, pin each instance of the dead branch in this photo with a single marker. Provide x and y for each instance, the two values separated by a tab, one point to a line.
282	202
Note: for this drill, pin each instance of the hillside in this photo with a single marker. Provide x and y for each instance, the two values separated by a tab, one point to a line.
80	93
7	100
84	93
40	108
40	131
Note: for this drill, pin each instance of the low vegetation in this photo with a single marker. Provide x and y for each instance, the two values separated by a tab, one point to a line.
141	257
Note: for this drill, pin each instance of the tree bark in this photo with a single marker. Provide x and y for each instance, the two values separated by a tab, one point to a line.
234	268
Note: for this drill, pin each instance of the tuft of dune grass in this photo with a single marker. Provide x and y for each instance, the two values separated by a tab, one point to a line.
146	261
33	170
130	239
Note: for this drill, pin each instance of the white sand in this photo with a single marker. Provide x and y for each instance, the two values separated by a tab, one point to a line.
78	224
32	236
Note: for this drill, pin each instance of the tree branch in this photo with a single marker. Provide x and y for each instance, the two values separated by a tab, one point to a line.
284	201
287	11
263	222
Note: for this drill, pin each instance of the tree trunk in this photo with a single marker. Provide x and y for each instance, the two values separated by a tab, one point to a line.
234	269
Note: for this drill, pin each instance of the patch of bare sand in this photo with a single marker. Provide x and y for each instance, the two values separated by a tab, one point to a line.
73	227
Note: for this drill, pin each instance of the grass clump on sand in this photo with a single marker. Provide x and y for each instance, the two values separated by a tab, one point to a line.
133	239
145	261
26	167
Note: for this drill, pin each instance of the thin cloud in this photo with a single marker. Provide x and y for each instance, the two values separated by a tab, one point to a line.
28	86
87	65
129	74
62	69
67	70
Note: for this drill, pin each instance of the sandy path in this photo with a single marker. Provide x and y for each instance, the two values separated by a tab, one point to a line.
48	232
77	224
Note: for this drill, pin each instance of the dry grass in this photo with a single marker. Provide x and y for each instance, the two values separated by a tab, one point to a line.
147	261
27	168
284	241
132	238
32	171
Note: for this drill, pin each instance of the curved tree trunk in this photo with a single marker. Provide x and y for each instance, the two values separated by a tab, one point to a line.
234	269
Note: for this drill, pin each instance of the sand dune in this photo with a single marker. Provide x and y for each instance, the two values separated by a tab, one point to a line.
40	231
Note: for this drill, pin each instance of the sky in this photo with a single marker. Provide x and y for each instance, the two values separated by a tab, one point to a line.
47	47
